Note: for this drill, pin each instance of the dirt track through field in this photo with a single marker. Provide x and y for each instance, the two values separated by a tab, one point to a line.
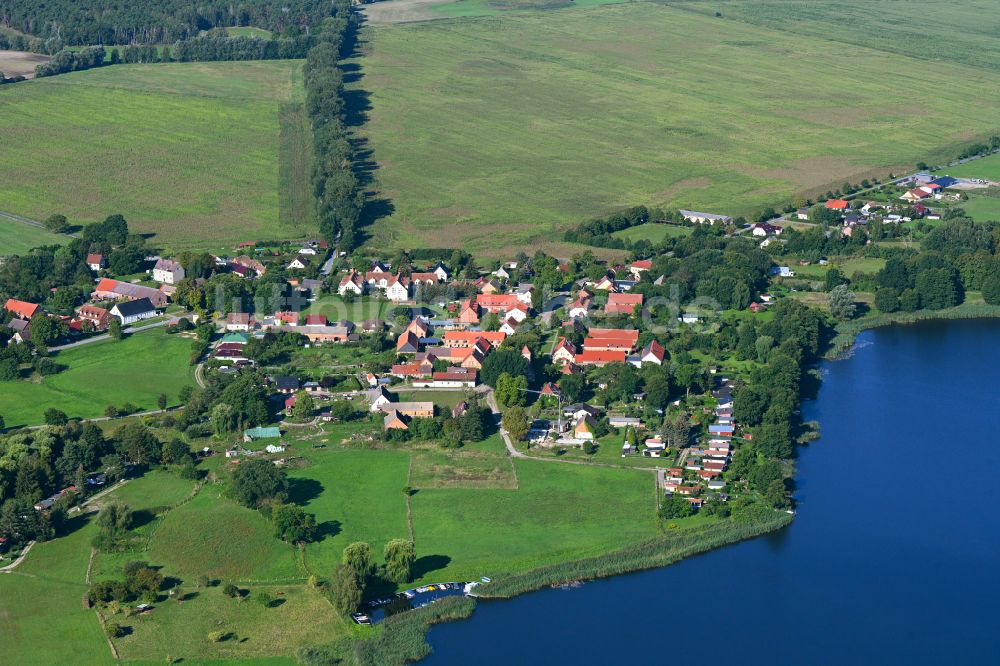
401	11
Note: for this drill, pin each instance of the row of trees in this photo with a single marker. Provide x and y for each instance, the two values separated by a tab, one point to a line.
339	197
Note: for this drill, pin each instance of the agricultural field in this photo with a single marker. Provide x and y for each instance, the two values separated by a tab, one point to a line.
21	63
560	116
18	238
136	370
191	152
916	28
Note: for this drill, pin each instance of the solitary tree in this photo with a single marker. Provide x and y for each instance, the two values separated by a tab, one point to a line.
841	301
115	329
57	224
345	589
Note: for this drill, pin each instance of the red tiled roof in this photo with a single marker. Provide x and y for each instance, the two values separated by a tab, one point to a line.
836	204
22	309
594	356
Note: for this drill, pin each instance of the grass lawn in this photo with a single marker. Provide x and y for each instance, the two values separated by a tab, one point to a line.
559	512
579	113
137	370
986	168
443	400
180	630
18	238
336	308
654	233
193	152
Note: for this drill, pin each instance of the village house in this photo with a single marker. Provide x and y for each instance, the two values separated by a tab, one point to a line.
468	312
584	428
129	312
765	229
238	322
352	283
96	262
168	271
564	352
837	204
299	263
395	421
640	266
611	339
407	343
377	398
653	353
498	303
469	338
579	308
606	283
450	378
342	331
286	384
442	272
99	318
397	289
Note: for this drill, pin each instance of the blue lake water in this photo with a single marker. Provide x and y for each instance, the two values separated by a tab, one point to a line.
892	559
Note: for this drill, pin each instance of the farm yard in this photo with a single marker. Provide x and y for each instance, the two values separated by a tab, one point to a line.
136	370
191	152
561	116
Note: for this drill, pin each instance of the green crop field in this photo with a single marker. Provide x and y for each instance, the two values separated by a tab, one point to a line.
986	168
493	134
136	370
18	238
192	152
965	33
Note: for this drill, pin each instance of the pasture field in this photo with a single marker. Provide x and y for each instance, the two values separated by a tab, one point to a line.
136	370
248	31
356	496
987	168
558	513
982	208
191	152
18	238
497	135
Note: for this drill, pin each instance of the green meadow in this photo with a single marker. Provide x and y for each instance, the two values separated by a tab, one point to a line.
191	152
982	208
136	370
986	168
18	238
496	134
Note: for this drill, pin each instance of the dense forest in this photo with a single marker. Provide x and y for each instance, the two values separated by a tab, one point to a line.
83	22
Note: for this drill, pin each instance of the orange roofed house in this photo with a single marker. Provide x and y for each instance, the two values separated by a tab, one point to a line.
622	304
469	338
22	309
113	290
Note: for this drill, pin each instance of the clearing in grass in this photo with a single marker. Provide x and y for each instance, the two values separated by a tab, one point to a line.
136	370
499	135
191	152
